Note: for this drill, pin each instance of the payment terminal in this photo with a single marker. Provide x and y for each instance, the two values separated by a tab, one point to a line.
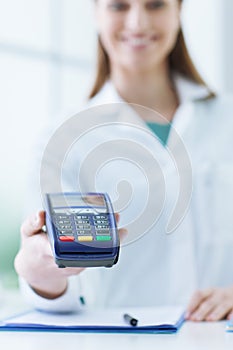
82	229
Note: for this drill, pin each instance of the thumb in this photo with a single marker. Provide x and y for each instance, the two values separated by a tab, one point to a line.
33	224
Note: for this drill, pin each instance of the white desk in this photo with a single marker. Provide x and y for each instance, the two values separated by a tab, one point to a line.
192	336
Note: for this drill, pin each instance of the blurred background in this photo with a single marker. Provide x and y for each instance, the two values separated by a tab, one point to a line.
47	61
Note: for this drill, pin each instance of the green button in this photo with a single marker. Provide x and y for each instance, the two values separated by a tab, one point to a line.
103	238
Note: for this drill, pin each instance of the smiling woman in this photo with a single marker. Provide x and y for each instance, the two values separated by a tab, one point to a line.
143	60
141	35
138	33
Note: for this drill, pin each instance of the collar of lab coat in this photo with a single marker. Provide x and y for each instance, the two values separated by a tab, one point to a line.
188	93
186	89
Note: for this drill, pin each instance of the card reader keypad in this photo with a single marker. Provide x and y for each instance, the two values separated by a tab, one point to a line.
82	228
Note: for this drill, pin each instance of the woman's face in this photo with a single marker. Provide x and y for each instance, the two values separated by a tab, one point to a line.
138	34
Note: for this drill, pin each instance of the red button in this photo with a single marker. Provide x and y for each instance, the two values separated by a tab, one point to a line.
66	238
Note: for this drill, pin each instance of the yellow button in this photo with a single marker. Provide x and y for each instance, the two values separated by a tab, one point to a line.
85	238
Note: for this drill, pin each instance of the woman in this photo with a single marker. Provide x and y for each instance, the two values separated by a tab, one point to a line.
142	59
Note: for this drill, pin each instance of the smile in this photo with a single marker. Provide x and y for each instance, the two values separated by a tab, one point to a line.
138	42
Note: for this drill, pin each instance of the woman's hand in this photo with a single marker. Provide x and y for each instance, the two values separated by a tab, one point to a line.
212	304
35	262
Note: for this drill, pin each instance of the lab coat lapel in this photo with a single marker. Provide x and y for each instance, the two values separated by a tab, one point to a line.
189	93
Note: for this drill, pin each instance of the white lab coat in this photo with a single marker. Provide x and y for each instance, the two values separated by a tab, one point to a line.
160	268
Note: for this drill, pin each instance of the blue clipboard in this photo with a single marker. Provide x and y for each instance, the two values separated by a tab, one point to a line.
104	321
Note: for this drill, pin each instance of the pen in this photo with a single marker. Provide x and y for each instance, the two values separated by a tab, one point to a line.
130	320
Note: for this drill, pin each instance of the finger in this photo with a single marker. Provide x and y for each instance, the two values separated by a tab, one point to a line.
33	224
122	234
205	308
197	298
230	315
219	312
117	217
71	271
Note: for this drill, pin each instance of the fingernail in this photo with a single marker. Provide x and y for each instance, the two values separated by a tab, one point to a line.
212	317
197	317
187	314
209	318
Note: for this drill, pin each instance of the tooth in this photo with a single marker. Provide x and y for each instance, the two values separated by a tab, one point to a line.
138	42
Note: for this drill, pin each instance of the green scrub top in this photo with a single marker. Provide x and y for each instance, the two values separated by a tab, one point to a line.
160	130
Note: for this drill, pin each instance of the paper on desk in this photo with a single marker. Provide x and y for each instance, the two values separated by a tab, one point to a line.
110	317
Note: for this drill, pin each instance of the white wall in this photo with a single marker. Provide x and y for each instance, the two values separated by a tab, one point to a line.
46	60
227	44
202	22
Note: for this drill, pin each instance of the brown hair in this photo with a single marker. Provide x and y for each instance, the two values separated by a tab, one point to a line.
179	61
